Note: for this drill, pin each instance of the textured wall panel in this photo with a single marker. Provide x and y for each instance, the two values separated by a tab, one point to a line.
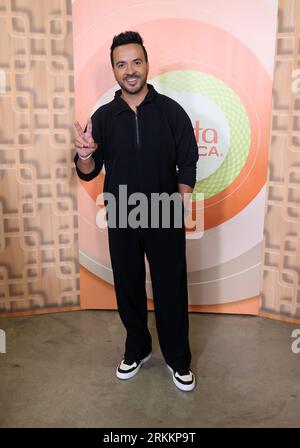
281	289
38	210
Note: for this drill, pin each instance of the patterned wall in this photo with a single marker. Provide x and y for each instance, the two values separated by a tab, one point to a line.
281	289
39	268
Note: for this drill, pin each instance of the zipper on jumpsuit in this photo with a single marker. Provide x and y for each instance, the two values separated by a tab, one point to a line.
137	130
139	161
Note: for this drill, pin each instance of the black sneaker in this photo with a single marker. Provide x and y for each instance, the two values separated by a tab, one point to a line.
128	368
184	379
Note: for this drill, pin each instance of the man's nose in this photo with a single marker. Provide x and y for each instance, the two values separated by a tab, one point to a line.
131	69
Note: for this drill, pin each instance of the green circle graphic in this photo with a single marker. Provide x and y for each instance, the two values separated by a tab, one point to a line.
238	122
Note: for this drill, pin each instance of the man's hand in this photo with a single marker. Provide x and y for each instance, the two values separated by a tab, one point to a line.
186	193
84	142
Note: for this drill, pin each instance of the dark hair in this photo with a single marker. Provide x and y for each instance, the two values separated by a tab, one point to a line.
129	37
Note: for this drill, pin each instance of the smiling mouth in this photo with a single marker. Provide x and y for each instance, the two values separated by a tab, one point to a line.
131	81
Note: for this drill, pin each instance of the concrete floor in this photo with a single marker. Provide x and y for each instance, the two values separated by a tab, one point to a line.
59	371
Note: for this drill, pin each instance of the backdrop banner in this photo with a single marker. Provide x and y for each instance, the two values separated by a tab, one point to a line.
216	59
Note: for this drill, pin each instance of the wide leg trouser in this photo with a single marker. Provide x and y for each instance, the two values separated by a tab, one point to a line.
165	251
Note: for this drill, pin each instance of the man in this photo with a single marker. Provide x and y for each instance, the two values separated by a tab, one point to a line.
146	142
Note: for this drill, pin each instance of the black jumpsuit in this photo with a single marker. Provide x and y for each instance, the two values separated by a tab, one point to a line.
150	151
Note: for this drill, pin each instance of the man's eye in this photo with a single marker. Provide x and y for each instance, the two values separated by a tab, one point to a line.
137	62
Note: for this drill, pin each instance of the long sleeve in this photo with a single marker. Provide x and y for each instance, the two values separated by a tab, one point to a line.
186	149
97	155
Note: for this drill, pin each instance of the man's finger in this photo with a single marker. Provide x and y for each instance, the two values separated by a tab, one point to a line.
81	144
81	140
78	129
89	128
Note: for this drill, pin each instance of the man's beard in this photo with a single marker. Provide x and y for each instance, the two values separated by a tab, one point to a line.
137	89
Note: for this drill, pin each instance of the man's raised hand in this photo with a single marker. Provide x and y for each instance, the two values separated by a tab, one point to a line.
84	141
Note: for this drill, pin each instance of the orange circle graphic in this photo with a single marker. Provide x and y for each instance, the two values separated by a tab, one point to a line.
181	44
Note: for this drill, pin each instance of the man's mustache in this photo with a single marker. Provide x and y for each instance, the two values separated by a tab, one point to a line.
132	76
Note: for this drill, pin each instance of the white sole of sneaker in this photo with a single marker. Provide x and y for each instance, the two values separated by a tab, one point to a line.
184	387
126	376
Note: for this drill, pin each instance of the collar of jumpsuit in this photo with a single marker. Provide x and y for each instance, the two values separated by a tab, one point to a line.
121	105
